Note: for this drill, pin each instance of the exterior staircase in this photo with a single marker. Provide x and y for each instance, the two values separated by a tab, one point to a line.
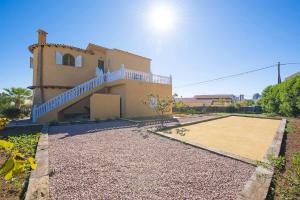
90	85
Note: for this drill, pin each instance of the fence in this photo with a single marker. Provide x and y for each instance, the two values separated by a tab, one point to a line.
221	109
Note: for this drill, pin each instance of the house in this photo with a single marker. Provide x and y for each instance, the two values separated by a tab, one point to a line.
96	82
208	100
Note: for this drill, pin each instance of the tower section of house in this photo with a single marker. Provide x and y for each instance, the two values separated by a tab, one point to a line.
66	78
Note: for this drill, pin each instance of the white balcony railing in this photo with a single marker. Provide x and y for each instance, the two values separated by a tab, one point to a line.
87	86
147	77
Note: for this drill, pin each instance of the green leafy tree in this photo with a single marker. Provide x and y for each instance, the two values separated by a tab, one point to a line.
177	103
247	102
5	101
283	98
18	95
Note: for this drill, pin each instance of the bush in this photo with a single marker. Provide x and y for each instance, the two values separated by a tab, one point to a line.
17	162
3	123
11	113
191	111
283	98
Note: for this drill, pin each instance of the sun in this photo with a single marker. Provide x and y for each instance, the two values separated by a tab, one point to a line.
162	18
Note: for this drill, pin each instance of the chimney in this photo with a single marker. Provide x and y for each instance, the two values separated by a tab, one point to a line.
42	35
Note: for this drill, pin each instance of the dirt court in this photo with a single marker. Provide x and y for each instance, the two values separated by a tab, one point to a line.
243	136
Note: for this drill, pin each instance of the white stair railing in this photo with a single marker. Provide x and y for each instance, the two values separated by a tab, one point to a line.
68	95
87	86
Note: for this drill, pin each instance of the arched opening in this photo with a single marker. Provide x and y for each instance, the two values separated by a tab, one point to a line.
68	59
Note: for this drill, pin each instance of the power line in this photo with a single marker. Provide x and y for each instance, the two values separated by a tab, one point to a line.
291	63
234	75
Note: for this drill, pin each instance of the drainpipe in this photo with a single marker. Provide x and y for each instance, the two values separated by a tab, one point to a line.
42	39
40	72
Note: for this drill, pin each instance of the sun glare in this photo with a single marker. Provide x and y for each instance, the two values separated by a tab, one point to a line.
162	18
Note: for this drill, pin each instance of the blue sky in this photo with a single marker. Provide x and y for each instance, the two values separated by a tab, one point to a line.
209	38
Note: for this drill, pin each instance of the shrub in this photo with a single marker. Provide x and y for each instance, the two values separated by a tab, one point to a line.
17	163
25	143
230	109
3	123
191	111
283	98
11	113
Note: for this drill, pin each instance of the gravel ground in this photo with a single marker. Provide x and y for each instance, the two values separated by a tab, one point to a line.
96	161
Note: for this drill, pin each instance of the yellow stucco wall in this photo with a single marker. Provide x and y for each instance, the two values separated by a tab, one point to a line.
63	75
117	57
133	92
104	106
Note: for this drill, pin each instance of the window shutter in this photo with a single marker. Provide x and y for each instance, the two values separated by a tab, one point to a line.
58	58
78	61
31	62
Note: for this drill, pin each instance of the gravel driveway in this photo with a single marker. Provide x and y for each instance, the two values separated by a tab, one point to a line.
118	160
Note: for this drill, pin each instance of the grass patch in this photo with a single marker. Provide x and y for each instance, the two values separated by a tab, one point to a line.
286	180
25	139
289	127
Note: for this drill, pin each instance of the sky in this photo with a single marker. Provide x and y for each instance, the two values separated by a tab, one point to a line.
207	39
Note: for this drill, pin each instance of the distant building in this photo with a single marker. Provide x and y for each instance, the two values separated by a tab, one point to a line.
208	100
242	97
256	96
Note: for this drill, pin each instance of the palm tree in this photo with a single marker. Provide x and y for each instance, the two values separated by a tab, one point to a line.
5	101
18	95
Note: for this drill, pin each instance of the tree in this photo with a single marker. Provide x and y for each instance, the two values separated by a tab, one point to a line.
178	104
283	98
161	105
247	102
18	95
5	101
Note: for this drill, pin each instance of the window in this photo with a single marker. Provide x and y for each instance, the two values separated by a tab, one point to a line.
68	59
101	65
31	62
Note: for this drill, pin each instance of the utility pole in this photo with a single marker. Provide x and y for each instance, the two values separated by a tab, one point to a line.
278	72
